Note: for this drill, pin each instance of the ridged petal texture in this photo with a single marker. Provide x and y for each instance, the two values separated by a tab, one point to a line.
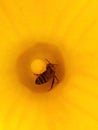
72	25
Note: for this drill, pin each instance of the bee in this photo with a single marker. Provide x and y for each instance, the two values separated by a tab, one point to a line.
47	75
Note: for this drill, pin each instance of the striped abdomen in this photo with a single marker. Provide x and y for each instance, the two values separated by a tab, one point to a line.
45	76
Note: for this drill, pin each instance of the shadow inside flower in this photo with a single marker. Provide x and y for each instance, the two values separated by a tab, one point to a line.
41	51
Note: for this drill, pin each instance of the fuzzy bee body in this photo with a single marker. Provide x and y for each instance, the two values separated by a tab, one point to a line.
47	75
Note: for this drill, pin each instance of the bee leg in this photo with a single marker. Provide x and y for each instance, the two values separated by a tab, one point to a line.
52	83
50	62
47	60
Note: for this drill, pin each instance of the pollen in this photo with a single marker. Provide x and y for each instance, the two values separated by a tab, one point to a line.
38	66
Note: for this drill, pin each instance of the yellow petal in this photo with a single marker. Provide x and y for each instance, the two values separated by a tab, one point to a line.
73	27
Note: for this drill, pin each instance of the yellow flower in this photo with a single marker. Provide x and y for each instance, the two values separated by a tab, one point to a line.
71	26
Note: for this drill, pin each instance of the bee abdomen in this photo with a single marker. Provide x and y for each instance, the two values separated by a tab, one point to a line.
41	79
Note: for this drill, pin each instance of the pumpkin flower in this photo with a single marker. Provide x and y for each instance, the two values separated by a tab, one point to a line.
65	33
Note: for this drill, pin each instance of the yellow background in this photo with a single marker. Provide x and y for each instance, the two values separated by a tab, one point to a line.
74	24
